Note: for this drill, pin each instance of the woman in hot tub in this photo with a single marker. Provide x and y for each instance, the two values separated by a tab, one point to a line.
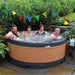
29	31
56	34
41	31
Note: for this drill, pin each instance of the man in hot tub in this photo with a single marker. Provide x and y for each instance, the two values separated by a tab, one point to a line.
56	34
13	33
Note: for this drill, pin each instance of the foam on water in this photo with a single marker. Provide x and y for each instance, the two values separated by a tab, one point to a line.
35	38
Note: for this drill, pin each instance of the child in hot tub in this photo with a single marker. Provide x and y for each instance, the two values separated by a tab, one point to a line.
56	34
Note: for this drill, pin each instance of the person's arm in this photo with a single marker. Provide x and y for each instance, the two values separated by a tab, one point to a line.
36	31
18	34
24	34
7	36
46	32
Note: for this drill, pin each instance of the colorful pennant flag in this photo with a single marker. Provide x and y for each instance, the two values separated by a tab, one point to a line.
29	19
21	17
37	17
45	14
55	14
14	13
65	23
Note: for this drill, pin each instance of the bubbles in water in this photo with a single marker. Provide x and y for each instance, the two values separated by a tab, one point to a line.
35	38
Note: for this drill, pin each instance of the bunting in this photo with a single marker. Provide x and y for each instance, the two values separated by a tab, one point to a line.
45	14
14	13
29	19
37	17
21	17
65	23
54	14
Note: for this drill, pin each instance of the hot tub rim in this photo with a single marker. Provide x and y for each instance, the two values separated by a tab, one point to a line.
26	44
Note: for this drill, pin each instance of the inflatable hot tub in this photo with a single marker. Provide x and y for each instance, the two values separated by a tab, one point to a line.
37	55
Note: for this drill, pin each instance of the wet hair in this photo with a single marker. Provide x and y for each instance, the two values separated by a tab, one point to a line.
14	26
57	29
29	26
41	25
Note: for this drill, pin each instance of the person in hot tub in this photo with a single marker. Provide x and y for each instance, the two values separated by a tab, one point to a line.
41	31
13	33
56	34
29	31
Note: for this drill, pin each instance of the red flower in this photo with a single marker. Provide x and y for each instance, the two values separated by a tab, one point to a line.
70	21
66	15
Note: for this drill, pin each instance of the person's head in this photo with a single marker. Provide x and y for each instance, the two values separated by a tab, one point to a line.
41	27
57	31
29	28
14	29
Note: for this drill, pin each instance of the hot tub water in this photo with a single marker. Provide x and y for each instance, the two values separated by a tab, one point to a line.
35	38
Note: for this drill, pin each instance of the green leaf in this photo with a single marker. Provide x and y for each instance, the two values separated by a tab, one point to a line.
7	49
1	52
1	44
3	55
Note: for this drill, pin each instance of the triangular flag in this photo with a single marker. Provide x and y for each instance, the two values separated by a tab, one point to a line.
14	13
29	19
20	17
45	14
65	23
55	14
37	17
6	13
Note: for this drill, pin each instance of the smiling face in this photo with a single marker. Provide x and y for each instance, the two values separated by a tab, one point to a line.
14	29
41	28
57	32
29	29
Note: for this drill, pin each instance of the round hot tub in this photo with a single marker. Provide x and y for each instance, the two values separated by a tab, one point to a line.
37	55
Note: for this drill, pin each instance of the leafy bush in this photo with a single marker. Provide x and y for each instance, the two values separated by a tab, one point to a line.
69	31
3	49
59	21
32	8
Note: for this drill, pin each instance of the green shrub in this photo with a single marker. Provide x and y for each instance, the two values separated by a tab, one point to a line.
3	50
33	8
59	21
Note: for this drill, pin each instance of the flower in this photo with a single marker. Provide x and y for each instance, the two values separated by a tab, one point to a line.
64	17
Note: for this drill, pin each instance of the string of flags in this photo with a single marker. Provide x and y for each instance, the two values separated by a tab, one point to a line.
37	16
30	17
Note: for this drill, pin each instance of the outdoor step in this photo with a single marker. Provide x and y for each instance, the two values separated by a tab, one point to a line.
60	70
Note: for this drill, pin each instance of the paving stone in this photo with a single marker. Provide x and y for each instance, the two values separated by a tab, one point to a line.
59	70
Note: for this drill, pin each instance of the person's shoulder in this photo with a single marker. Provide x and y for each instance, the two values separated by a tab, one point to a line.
60	36
10	32
46	32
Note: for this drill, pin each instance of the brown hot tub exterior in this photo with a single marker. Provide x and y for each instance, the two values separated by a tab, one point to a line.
36	57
